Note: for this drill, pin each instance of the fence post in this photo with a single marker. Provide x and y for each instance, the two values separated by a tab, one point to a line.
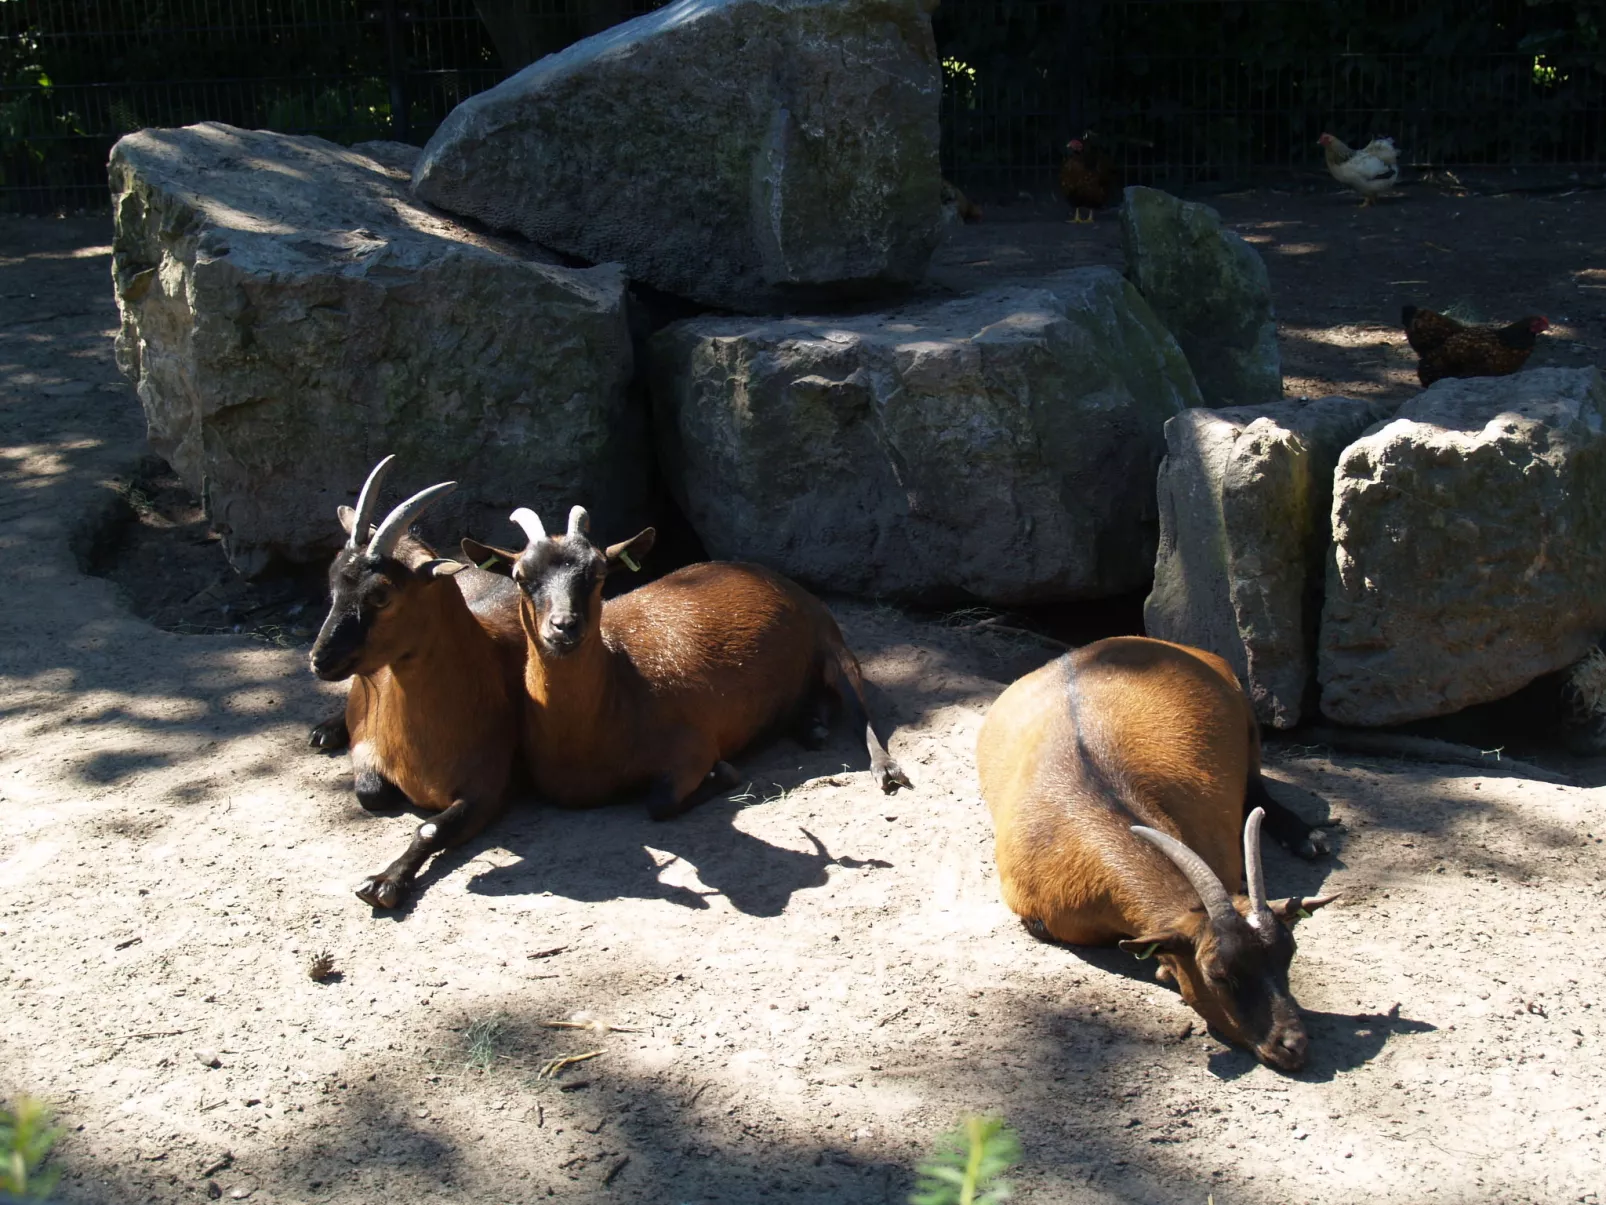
396	59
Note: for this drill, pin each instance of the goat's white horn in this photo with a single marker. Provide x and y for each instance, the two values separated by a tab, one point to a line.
1254	869
526	518
1218	904
366	501
579	522
399	520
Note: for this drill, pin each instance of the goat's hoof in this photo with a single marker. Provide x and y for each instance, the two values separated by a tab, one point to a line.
331	734
891	777
1314	845
1035	926
381	892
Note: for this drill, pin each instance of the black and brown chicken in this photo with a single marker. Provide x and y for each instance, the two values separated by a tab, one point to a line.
1448	348
1088	176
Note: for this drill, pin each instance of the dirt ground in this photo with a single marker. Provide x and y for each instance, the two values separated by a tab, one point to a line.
812	981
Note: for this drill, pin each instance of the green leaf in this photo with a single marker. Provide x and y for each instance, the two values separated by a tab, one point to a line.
968	1165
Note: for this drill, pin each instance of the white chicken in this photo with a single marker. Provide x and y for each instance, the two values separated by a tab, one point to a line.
1369	171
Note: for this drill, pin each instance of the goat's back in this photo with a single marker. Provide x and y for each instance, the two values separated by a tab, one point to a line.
734	644
1121	732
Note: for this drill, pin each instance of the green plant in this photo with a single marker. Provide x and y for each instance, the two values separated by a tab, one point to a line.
968	1165
26	1137
483	1037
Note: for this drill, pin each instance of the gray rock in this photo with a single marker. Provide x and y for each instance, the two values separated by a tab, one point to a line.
1245	496
999	447
1469	547
394	156
1211	290
755	155
290	315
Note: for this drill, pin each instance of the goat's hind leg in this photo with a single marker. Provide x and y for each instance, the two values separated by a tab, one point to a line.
454	825
842	678
1287	826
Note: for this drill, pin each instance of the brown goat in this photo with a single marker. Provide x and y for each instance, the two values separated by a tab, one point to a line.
1118	778
436	655
656	688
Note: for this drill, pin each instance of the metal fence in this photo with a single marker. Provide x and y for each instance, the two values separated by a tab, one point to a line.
1183	91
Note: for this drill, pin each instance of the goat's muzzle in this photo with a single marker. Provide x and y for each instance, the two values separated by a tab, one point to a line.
1285	1049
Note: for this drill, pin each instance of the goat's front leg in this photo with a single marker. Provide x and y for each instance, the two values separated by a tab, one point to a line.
330	734
454	825
696	773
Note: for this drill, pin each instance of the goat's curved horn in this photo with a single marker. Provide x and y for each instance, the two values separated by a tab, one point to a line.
399	520
1254	869
526	518
366	501
579	522
1218	904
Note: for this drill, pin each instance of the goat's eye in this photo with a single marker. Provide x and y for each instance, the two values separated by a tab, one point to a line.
379	599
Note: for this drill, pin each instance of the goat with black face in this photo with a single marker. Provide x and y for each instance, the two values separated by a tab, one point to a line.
1118	778
652	690
436	658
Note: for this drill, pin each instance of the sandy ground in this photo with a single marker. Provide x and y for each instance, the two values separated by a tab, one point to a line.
813	981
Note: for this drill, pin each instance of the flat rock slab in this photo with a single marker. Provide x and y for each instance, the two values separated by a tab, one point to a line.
1245	496
1211	290
290	315
1469	547
999	447
754	155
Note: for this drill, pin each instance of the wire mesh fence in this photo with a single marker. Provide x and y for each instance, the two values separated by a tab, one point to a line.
1183	91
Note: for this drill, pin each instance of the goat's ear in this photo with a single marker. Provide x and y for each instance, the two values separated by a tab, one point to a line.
630	552
1161	942
347	517
489	558
441	567
1295	908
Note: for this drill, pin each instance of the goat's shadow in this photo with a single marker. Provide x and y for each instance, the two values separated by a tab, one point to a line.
1339	1042
616	852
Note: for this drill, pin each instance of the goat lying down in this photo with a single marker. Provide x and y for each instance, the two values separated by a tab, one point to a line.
1118	778
655	688
436	657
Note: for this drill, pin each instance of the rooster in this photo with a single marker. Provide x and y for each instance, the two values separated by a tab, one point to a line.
1447	348
1088	176
1369	171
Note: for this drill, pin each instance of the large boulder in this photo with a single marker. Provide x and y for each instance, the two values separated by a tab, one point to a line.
754	155
998	447
290	315
1211	290
1469	547
1245	496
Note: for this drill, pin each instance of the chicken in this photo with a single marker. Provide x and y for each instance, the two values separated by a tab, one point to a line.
1448	348
1369	171
1088	178
957	204
1383	148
